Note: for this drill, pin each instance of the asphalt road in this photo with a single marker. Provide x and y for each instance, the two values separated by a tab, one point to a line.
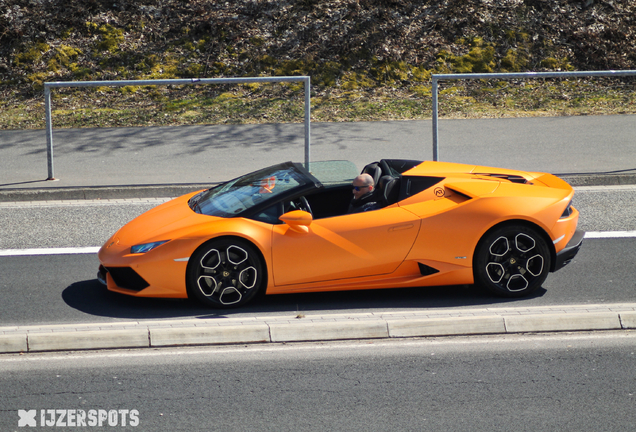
62	288
569	382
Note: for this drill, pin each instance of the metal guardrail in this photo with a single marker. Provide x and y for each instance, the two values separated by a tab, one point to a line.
511	75
121	83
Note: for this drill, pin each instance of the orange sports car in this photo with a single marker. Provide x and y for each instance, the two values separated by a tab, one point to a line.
286	229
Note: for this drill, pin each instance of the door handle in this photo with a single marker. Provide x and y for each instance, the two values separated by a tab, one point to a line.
401	227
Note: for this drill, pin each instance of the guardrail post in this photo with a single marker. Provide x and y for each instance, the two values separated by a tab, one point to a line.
435	126
49	132
307	120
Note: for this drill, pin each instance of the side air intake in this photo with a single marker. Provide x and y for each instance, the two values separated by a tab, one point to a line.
427	270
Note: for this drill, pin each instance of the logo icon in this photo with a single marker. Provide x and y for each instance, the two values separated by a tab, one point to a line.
27	418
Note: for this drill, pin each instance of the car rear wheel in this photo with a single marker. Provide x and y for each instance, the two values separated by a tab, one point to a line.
225	273
511	261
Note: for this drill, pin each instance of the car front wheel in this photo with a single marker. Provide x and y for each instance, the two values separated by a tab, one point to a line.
511	261
225	273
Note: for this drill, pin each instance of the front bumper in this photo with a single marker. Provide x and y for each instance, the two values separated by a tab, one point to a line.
569	251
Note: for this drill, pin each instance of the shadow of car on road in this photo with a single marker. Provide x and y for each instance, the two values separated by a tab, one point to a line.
92	298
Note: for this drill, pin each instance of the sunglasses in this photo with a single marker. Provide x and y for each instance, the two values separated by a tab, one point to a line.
357	188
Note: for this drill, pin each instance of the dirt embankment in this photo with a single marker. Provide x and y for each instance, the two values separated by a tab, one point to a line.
362	43
368	59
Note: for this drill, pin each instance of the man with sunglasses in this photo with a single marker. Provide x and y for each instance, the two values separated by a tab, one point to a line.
363	196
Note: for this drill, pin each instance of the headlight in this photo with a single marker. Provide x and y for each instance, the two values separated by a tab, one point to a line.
146	247
567	212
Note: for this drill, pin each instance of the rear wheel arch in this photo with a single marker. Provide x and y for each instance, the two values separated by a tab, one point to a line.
509	258
529	224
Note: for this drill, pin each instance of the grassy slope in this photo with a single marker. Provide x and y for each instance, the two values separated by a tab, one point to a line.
368	59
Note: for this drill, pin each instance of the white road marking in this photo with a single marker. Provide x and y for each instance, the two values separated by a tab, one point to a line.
83	203
95	249
610	234
608	188
50	251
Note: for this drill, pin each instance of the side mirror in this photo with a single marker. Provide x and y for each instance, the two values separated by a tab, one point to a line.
298	220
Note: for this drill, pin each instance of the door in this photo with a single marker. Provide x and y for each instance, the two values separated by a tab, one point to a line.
348	246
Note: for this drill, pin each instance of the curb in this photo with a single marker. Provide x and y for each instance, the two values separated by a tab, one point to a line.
281	329
101	192
600	179
174	190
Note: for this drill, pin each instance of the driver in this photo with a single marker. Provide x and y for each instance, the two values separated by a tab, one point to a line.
363	196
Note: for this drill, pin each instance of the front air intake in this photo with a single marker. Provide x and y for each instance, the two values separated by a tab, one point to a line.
127	278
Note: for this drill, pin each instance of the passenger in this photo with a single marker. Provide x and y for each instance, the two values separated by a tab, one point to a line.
363	196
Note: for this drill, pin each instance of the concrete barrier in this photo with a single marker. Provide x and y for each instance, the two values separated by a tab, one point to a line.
562	322
446	326
13	343
325	327
209	335
628	320
328	330
90	339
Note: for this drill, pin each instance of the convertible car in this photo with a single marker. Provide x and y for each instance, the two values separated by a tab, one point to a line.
286	229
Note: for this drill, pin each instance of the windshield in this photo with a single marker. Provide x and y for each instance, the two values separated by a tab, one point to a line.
334	171
241	194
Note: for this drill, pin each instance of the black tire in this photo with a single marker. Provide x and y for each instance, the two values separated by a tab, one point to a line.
511	261
226	273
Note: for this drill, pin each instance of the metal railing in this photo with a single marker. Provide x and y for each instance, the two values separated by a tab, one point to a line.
194	81
506	76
